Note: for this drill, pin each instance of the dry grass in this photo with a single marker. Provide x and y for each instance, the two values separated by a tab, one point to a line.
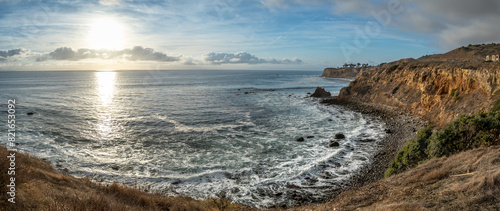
40	187
466	181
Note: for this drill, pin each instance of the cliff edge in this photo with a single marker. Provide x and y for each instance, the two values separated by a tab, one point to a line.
341	72
438	88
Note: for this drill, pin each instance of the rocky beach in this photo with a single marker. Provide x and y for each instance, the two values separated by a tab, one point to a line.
400	128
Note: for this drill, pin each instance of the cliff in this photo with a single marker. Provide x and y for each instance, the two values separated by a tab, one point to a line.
438	90
342	72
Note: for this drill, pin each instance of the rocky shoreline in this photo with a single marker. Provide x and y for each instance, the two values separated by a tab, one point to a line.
401	128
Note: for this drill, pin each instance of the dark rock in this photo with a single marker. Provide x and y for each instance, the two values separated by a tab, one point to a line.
388	131
30	113
308	93
115	168
176	182
301	139
320	92
339	136
65	170
246	93
310	136
330	120
333	144
367	140
235	190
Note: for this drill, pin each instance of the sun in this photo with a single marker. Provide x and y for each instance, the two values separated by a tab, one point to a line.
106	33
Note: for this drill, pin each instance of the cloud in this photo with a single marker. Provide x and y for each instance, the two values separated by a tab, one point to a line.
13	54
271	4
137	53
451	23
109	2
245	58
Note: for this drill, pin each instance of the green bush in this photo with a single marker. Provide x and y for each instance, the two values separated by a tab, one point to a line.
393	67
467	132
412	153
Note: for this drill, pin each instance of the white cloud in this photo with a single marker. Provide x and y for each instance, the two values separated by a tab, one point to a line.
245	58
109	2
137	53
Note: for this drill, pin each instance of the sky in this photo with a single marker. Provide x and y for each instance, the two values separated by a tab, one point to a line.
238	34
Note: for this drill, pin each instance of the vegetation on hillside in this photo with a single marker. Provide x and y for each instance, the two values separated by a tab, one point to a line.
467	132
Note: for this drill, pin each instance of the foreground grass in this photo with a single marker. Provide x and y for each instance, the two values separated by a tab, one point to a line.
468	180
41	187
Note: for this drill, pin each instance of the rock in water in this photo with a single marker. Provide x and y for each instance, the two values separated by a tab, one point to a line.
339	136
320	92
310	136
333	144
367	140
30	113
301	139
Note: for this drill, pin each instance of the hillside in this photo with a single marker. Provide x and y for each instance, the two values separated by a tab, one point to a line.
437	87
466	181
470	53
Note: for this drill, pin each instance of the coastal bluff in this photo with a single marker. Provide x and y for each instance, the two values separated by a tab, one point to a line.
342	72
438	88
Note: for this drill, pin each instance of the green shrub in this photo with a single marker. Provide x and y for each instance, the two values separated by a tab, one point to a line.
412	153
467	132
393	67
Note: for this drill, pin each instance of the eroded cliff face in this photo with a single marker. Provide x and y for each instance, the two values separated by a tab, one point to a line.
439	91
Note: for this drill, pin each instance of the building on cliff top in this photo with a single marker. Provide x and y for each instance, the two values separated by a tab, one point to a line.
493	58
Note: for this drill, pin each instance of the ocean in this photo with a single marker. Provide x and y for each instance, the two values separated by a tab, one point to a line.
200	133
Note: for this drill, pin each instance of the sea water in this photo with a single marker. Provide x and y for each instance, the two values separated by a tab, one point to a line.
200	133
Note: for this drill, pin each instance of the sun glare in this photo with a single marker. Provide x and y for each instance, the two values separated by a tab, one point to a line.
106	34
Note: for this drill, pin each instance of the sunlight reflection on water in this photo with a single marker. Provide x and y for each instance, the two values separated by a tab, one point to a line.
105	88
